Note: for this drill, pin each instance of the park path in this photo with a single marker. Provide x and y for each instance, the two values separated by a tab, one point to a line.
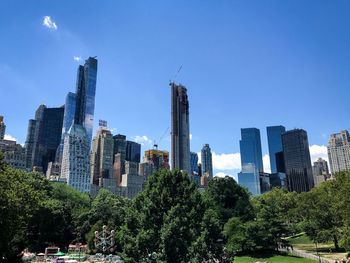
304	254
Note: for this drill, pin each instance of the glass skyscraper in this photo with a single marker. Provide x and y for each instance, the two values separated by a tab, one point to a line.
85	95
68	120
194	163
274	138
297	160
133	152
43	138
206	160
251	160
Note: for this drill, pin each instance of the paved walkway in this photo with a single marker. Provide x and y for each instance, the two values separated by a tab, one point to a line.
304	254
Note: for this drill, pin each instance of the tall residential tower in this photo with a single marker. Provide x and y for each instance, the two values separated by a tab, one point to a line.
339	151
180	128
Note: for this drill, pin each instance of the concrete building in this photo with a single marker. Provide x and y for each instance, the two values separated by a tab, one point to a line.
53	172
75	161
2	128
206	161
251	160
101	158
158	158
297	160
339	151
14	154
320	171
131	179
180	128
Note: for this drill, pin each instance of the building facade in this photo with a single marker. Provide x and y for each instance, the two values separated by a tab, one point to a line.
133	152
251	160
180	128
158	158
75	162
297	160
339	151
101	158
68	120
13	153
43	138
206	160
85	95
320	171
119	154
274	138
2	128
194	163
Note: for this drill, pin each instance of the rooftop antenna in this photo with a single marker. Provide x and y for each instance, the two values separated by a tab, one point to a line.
175	76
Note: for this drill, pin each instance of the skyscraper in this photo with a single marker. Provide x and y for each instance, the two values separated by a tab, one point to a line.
320	171
119	154
85	95
43	138
206	160
2	128
180	128
339	151
75	161
251	160
194	163
297	160
102	155
133	152
68	120
274	137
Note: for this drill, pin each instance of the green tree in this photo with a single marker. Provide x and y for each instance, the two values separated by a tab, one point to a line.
229	199
20	196
322	219
170	218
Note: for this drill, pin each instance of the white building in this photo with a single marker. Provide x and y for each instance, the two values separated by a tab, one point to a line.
339	151
75	161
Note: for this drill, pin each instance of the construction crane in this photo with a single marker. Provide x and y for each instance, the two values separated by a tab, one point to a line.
155	144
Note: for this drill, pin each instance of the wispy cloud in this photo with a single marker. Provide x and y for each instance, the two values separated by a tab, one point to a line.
143	140
77	58
49	23
190	136
9	137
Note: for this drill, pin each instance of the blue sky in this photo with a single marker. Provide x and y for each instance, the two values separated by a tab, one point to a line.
245	64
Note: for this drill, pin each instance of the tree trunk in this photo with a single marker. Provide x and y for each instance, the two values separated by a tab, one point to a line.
336	244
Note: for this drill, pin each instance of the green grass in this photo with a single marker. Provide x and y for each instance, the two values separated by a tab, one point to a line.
272	258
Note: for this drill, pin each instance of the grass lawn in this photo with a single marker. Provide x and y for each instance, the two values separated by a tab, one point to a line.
302	242
272	258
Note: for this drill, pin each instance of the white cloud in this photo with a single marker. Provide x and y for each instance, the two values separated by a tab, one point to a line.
77	58
49	23
318	151
143	140
9	137
190	136
266	163
226	161
220	174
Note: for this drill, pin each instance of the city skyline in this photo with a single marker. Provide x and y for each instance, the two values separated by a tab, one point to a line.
21	81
